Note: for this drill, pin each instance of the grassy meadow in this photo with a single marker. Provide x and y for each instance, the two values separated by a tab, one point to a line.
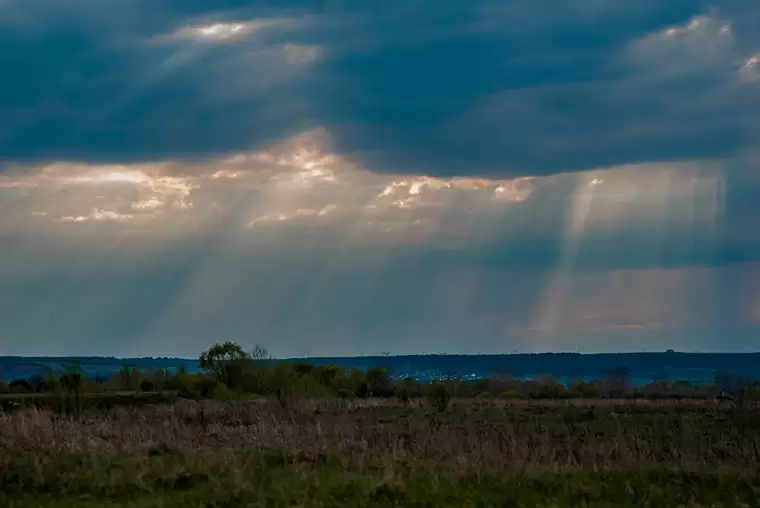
246	433
383	453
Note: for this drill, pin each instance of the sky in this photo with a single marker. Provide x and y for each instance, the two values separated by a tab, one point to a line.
353	178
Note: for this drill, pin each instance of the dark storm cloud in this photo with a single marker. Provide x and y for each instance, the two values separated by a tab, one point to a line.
89	82
428	87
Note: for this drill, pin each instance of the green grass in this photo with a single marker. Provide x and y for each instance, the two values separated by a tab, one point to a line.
255	478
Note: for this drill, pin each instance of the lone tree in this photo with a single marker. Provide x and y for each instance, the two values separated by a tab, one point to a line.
226	362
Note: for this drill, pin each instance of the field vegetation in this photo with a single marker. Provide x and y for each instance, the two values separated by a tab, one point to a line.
250	431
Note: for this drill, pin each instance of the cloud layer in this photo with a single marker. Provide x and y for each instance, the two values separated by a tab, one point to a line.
343	178
509	89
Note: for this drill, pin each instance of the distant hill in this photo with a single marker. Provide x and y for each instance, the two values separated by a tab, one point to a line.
643	367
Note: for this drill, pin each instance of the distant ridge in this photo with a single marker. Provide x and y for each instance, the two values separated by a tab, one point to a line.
643	366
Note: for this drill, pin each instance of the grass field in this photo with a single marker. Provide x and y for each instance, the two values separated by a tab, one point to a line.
383	453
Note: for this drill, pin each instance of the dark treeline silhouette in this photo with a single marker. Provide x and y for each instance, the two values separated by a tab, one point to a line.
643	367
226	371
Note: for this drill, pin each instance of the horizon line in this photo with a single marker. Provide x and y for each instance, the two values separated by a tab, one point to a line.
565	353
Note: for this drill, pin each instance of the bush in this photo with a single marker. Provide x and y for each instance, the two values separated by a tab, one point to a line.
585	389
160	379
362	391
357	382
328	374
146	385
129	378
379	382
50	383
179	382
205	386
473	388
439	397
548	388
223	394
71	381
3	386
304	368
283	383
402	392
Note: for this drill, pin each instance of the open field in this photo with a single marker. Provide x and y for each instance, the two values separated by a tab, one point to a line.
384	453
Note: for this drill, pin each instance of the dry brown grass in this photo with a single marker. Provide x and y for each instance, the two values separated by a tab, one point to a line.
476	436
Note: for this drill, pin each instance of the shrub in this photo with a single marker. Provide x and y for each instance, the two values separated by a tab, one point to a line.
258	370
585	389
179	382
224	394
379	382
146	385
50	383
328	374
3	386
548	388
160	379
416	389
304	368
72	381
129	377
282	383
356	381
473	388
402	392
362	391
205	386
439	397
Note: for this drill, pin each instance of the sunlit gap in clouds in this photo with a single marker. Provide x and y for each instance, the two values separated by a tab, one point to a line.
279	187
302	188
659	209
320	169
257	189
296	200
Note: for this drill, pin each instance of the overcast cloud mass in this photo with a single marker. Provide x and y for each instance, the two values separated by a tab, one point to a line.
341	178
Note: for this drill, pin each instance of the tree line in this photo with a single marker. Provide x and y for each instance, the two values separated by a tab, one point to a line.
227	371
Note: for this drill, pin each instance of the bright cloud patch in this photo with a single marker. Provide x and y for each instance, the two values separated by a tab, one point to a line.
98	215
300	181
228	31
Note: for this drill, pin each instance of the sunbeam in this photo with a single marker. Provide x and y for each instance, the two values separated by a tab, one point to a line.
296	240
550	311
